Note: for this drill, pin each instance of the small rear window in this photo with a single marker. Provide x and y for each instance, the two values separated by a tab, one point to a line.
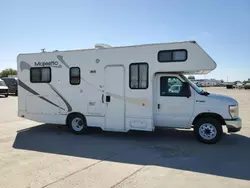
75	76
168	56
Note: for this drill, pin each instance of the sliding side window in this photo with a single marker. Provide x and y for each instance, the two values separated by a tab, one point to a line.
138	76
40	75
74	76
167	56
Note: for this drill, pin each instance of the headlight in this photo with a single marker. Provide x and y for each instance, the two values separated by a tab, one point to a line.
234	111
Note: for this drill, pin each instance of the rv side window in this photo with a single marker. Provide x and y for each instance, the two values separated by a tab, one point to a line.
138	76
167	56
74	76
40	75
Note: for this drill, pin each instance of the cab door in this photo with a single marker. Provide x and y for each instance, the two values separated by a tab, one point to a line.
173	107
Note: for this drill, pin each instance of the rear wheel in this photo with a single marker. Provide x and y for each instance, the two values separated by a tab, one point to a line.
208	130
16	93
77	123
6	95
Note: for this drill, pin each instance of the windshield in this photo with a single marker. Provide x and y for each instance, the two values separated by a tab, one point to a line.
2	83
193	85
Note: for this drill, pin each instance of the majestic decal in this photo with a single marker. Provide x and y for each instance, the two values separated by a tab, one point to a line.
54	64
26	66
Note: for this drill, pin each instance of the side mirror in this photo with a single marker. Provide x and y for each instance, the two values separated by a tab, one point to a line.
186	89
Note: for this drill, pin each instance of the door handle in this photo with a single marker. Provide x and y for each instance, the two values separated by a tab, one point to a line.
200	101
158	106
102	98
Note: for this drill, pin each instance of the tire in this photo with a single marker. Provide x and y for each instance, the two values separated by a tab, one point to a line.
77	123
16	93
6	95
208	130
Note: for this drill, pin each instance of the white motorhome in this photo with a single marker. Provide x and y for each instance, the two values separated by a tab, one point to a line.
124	88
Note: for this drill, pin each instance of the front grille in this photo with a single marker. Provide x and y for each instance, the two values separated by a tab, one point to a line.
3	91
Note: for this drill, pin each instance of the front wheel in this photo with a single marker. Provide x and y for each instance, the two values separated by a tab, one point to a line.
77	123
6	95
208	130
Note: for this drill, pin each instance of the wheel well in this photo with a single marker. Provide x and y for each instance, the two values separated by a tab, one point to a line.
209	115
75	114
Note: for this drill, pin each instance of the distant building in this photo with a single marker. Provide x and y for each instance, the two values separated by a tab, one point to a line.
208	82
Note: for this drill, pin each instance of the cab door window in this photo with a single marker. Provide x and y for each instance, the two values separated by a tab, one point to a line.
171	86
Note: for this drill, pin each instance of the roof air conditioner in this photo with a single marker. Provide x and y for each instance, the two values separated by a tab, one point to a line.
102	46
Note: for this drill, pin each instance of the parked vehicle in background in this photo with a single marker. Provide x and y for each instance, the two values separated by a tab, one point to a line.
239	86
175	88
3	88
229	85
12	84
247	86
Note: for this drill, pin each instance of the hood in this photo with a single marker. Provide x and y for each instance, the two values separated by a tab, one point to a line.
223	98
4	87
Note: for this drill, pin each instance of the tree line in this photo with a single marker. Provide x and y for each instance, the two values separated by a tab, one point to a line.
7	72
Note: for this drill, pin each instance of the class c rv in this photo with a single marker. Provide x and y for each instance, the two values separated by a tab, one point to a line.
139	87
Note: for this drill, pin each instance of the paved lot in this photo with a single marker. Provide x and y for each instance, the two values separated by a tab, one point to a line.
37	155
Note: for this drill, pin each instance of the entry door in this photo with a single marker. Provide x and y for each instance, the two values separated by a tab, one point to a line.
114	98
172	108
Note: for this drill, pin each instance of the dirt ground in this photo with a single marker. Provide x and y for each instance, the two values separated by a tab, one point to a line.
42	155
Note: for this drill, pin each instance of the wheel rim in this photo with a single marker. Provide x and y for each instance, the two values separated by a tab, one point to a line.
207	131
77	124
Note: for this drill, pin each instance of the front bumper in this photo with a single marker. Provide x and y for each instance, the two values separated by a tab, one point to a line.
234	125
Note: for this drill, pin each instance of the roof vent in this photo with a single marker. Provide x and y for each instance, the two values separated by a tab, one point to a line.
102	46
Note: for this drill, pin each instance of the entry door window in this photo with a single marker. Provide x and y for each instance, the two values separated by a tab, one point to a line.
170	86
138	76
